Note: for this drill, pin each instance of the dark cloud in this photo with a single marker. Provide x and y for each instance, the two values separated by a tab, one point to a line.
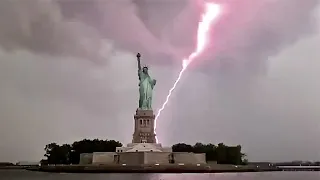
247	30
75	28
49	85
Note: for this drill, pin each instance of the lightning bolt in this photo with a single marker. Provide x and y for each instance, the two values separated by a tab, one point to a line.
211	12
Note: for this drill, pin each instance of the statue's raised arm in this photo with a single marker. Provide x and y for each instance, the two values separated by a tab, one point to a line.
139	63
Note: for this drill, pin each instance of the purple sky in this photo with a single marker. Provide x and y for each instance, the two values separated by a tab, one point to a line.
68	72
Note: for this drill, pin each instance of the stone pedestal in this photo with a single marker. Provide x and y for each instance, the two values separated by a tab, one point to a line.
144	127
144	149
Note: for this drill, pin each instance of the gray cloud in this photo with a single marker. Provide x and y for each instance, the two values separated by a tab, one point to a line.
77	27
251	31
241	90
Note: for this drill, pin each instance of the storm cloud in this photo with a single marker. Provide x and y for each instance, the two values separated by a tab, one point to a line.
68	71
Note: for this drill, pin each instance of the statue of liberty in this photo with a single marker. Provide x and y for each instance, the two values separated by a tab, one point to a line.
146	85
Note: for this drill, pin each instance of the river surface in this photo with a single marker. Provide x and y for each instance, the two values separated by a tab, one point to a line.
28	175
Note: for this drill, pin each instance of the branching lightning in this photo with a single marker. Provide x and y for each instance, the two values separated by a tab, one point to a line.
211	12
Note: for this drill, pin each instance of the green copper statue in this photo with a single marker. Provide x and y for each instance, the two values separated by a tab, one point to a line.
146	85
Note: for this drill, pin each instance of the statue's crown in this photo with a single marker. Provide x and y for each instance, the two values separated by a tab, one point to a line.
145	66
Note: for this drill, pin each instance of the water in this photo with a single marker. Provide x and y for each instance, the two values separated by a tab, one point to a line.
28	175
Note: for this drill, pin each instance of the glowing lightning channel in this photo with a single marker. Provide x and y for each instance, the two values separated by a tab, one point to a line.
211	13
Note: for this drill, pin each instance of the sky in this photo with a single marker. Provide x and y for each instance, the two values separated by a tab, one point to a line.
68	71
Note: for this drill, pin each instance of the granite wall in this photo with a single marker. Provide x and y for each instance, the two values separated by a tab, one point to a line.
131	158
86	158
104	158
189	158
156	157
139	158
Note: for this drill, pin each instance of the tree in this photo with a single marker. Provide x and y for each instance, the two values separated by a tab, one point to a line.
211	152
49	148
208	149
234	155
70	154
182	147
54	153
6	164
222	154
245	161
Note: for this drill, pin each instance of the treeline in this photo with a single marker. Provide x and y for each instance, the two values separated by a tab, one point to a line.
6	164
70	153
221	153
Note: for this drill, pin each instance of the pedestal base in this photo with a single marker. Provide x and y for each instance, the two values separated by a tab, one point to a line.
144	127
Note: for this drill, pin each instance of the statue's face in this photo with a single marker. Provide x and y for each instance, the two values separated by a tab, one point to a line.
145	70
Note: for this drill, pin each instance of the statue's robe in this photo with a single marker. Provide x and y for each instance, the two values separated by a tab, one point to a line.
146	86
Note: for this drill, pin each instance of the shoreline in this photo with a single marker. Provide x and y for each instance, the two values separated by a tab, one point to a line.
14	167
149	169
